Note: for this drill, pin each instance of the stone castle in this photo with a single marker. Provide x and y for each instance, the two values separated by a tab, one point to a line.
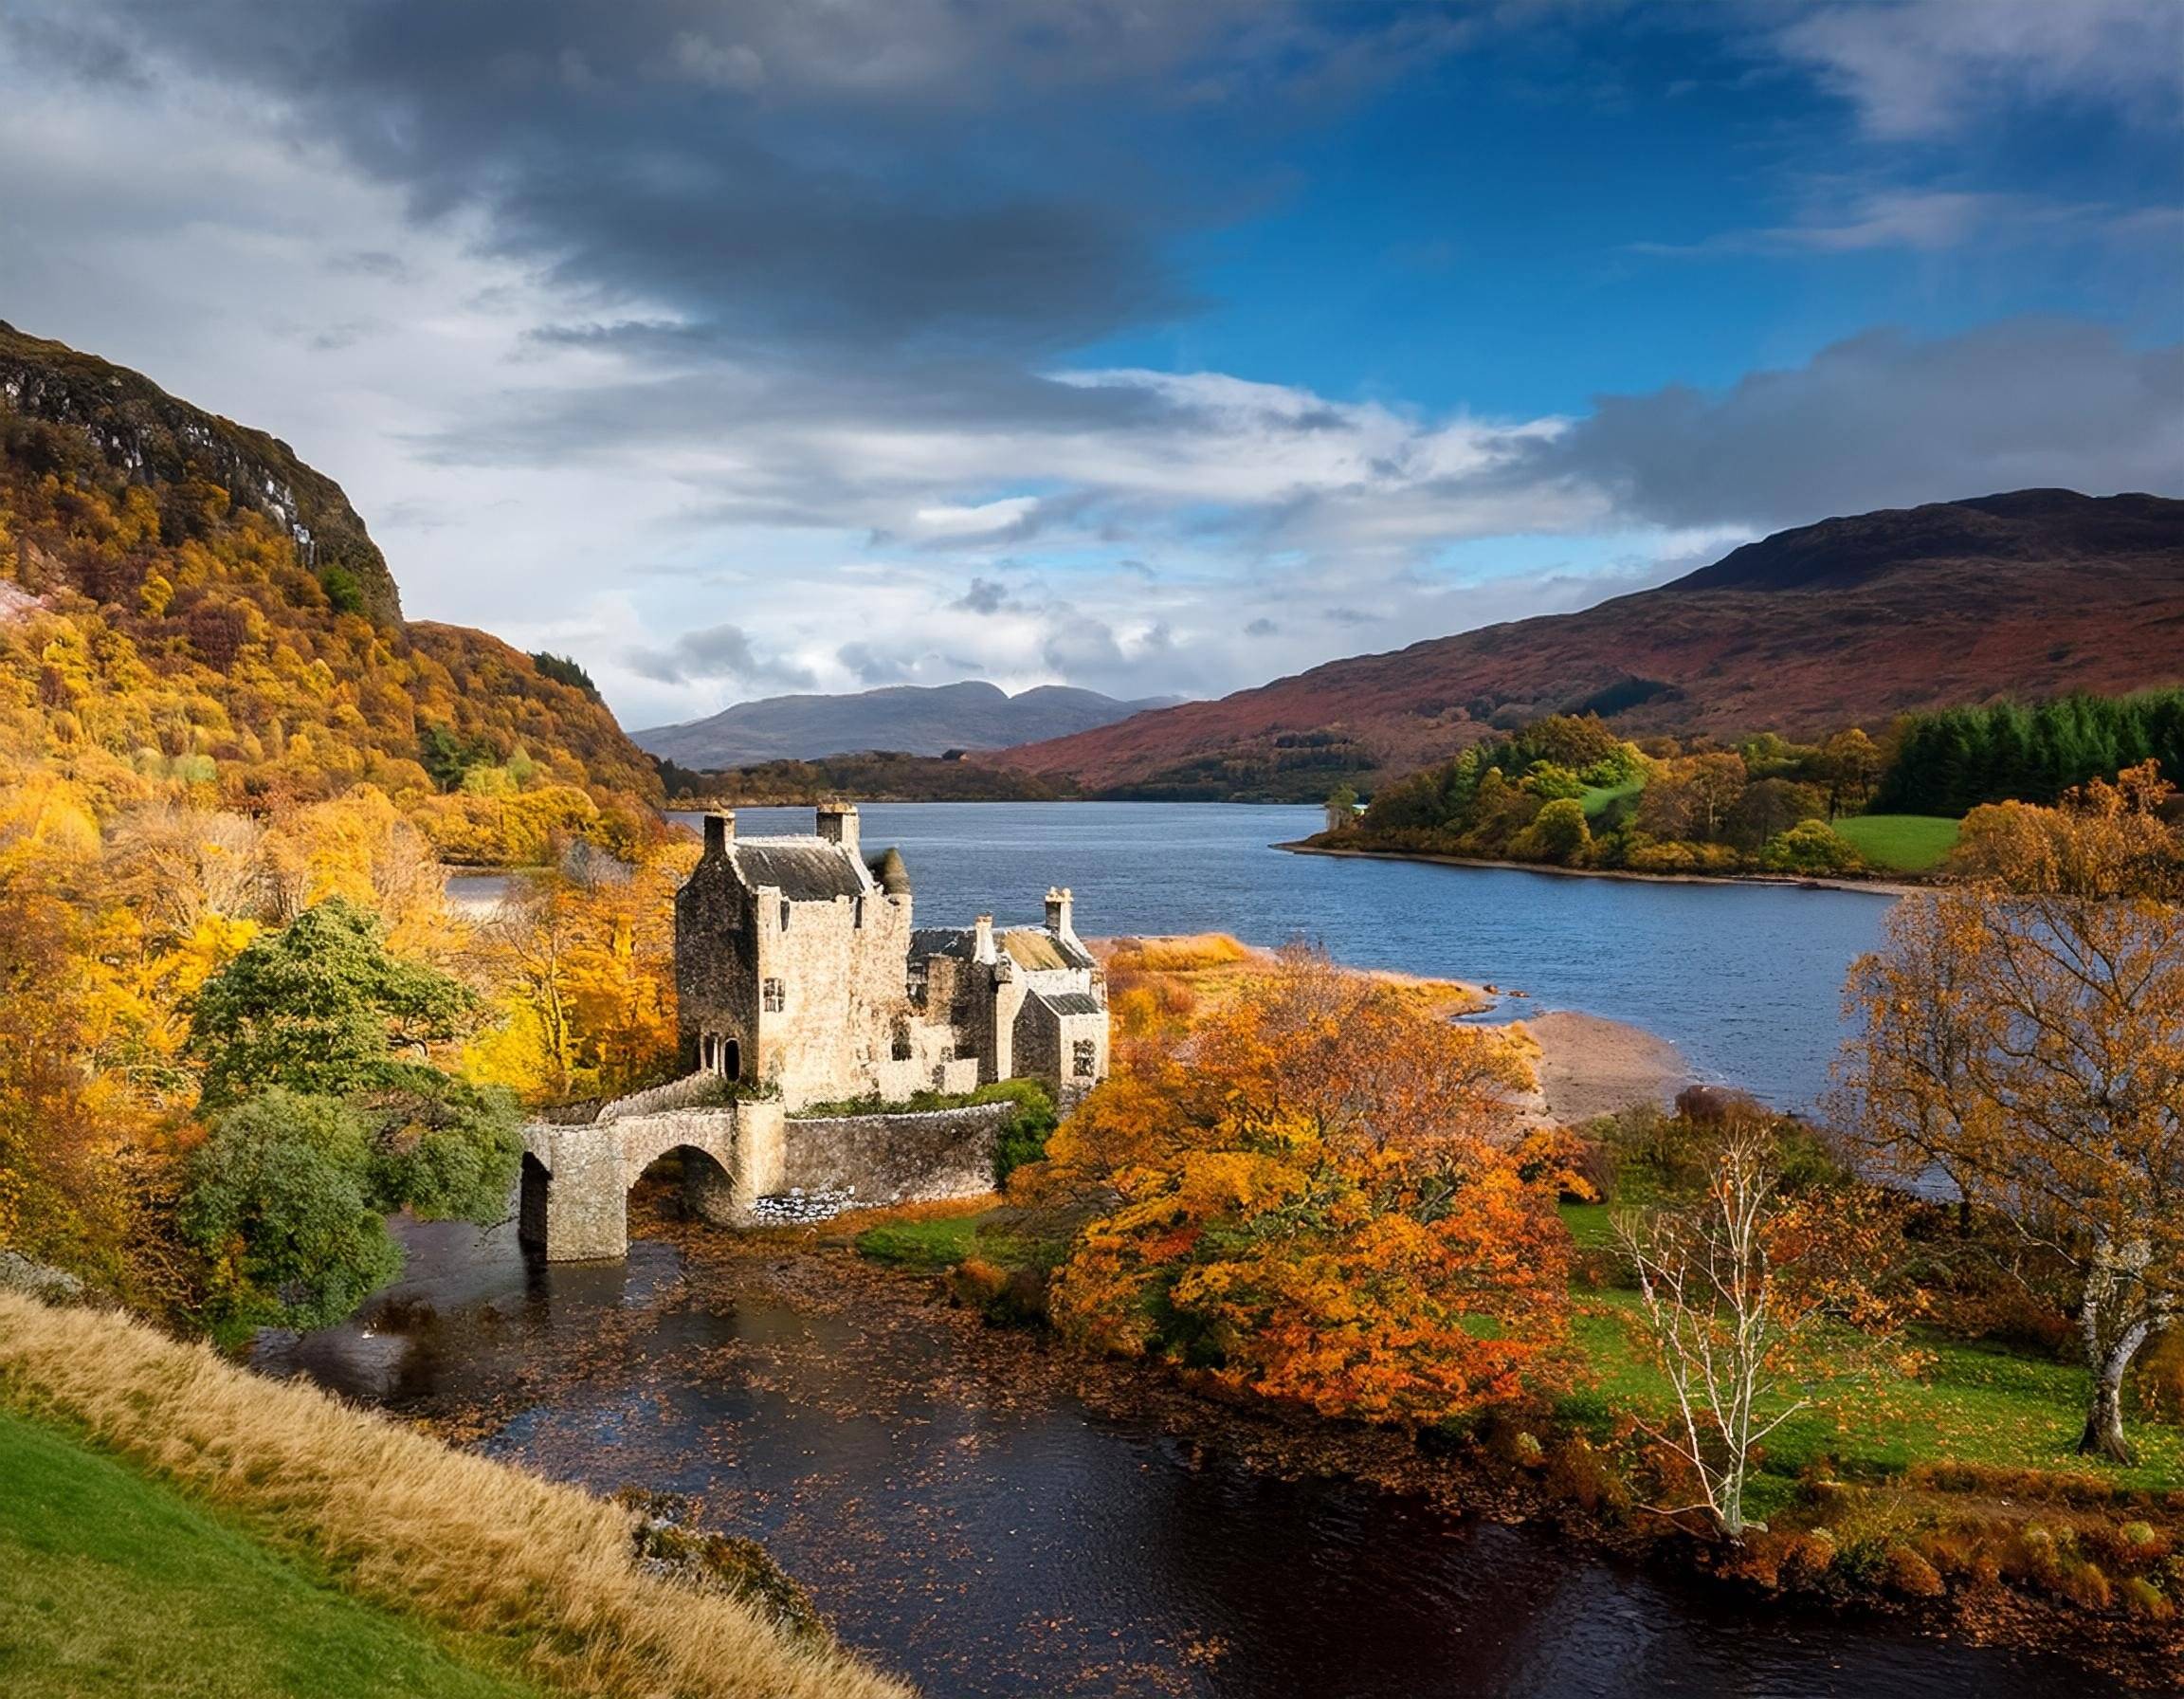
803	983
797	967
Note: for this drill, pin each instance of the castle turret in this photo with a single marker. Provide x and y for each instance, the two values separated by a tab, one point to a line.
838	824
1059	920
720	831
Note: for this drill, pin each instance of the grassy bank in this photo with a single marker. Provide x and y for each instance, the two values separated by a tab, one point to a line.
114	1584
527	1577
1971	1403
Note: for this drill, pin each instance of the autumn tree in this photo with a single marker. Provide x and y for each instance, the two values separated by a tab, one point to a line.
1315	1197
1738	1283
581	958
2023	1034
1849	766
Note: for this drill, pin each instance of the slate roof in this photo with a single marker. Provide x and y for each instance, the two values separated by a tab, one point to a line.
927	942
804	870
1070	1002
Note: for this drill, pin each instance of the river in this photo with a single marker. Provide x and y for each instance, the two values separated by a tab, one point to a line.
985	1534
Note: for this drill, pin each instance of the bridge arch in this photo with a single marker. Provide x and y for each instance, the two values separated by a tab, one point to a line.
708	1184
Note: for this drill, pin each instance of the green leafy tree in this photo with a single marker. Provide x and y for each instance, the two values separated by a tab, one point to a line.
442	1148
321	1006
1559	833
1811	847
279	1197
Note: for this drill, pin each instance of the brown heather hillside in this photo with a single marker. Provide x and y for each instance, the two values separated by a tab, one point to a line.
1849	622
188	608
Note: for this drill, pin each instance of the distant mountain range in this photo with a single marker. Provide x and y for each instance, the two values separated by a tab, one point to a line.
915	719
1849	622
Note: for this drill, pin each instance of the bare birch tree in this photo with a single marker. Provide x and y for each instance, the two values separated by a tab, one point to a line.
1721	1321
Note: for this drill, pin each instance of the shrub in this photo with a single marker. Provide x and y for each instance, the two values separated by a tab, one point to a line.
1910	1575
2142	1597
1809	847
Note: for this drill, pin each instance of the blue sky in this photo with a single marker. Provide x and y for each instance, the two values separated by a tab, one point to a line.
738	346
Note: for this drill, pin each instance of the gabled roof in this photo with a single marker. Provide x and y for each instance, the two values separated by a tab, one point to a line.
1070	1002
1035	947
804	870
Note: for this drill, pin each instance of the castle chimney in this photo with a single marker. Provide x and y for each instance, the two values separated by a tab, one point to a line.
720	831
838	824
1058	903
982	939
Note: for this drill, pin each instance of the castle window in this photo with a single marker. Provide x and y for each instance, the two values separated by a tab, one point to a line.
784	914
775	994
903	1041
857	911
1085	1057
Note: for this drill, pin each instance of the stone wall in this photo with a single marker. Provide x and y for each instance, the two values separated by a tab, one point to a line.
691	1090
896	1158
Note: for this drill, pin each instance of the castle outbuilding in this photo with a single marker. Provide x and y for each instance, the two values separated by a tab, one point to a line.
797	965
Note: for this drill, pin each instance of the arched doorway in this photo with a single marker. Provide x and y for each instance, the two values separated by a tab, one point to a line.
720	1055
681	1183
531	1198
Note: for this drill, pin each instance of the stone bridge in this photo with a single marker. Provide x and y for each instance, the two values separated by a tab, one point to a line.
573	1199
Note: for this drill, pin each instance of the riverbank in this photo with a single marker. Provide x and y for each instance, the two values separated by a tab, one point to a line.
1881	888
1544	1469
539	1585
1582	1476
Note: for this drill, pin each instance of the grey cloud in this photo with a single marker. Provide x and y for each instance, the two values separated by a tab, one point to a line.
722	651
859	204
1261	627
986	595
1885	420
874	667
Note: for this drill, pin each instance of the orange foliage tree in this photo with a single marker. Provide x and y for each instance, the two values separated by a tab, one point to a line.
581	960
1316	1197
2025	1034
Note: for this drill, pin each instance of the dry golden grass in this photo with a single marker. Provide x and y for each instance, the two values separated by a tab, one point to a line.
1176	955
1160	987
472	1545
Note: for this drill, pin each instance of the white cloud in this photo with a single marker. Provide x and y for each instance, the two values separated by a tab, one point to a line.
1923	68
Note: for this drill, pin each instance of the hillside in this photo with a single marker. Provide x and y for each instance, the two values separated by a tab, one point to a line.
1850	621
185	607
906	718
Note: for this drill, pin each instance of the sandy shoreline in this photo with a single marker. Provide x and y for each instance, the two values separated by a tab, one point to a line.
1876	888
1589	1066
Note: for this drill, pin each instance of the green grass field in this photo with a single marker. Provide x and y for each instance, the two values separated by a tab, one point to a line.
1598	797
931	1245
1970	1403
1901	843
113	1584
